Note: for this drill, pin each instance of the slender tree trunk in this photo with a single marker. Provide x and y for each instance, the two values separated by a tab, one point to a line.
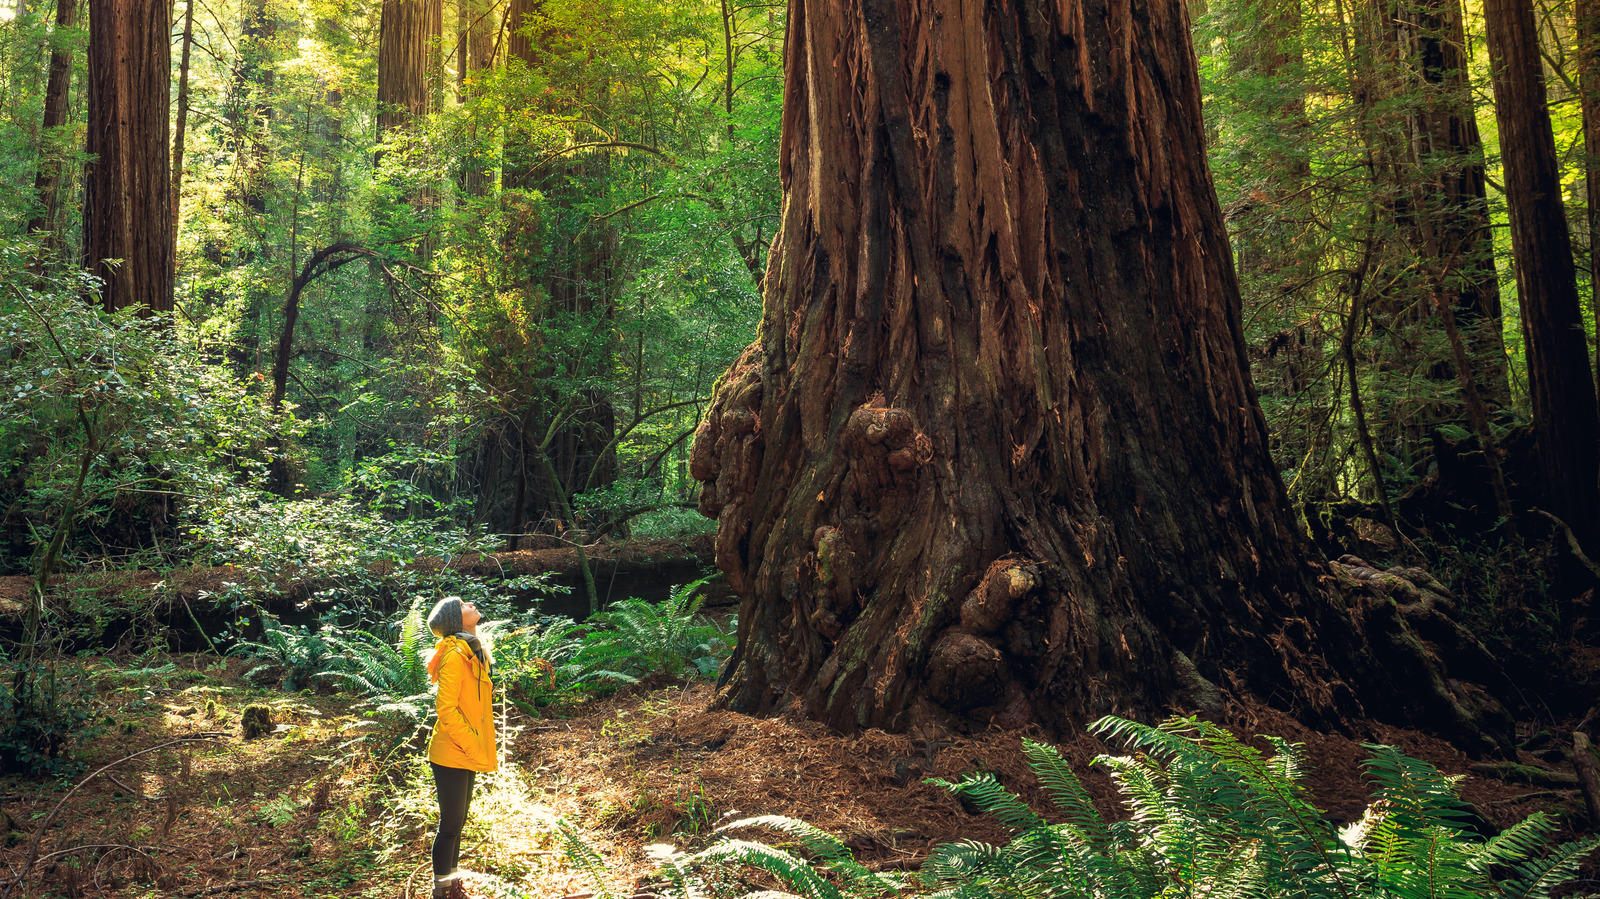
1566	423
1588	27
250	111
996	457
183	116
519	43
1450	218
47	179
475	34
127	211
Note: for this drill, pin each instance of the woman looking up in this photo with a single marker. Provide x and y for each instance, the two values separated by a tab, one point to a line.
463	737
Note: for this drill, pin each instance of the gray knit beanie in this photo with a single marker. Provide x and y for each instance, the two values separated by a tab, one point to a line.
445	619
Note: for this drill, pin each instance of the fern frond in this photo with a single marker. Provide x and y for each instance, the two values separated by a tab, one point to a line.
986	792
1539	879
791	869
584	857
1066	791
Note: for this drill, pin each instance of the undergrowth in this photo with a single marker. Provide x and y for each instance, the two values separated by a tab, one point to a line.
1209	816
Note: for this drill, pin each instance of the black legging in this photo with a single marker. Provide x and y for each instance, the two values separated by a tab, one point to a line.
454	786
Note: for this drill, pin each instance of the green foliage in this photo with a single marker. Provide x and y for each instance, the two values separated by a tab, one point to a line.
45	711
389	666
671	638
104	416
1208	816
292	655
1213	816
812	862
540	663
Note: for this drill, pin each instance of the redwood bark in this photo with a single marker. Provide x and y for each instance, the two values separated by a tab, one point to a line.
47	179
996	457
183	116
519	42
127	208
1565	421
408	35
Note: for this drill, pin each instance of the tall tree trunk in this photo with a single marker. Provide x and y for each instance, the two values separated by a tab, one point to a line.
249	109
47	179
408	32
519	43
1566	424
475	55
183	115
1588	27
127	207
996	457
1450	223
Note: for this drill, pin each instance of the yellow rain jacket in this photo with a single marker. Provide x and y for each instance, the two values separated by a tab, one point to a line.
463	737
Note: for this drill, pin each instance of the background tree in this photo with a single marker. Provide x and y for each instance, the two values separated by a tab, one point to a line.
53	153
127	205
1560	386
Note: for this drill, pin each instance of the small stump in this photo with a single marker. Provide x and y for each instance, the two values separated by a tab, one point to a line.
256	721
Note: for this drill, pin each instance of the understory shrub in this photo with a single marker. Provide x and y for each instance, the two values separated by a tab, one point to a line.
45	713
640	638
290	654
1209	816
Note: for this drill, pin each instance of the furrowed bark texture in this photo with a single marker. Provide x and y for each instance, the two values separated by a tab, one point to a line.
408	38
1562	395
127	212
996	457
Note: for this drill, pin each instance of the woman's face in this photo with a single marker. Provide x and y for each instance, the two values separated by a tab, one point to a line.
470	616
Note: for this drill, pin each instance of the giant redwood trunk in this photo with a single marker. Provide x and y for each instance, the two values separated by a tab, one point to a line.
996	457
127	207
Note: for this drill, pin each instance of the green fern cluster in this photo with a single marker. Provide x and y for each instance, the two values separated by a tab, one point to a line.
296	655
1209	816
388	665
542	661
639	638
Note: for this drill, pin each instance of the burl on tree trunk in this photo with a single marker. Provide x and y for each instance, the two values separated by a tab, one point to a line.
996	457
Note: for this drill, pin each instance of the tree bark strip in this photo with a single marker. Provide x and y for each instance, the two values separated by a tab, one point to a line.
127	195
47	179
408	33
1587	15
183	117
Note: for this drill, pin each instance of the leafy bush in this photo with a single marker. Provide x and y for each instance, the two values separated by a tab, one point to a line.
541	662
1210	816
672	523
101	414
640	638
44	713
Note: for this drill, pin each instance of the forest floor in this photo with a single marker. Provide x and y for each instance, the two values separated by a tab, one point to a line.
327	805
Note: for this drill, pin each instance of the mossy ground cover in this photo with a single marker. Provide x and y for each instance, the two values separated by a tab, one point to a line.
330	803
